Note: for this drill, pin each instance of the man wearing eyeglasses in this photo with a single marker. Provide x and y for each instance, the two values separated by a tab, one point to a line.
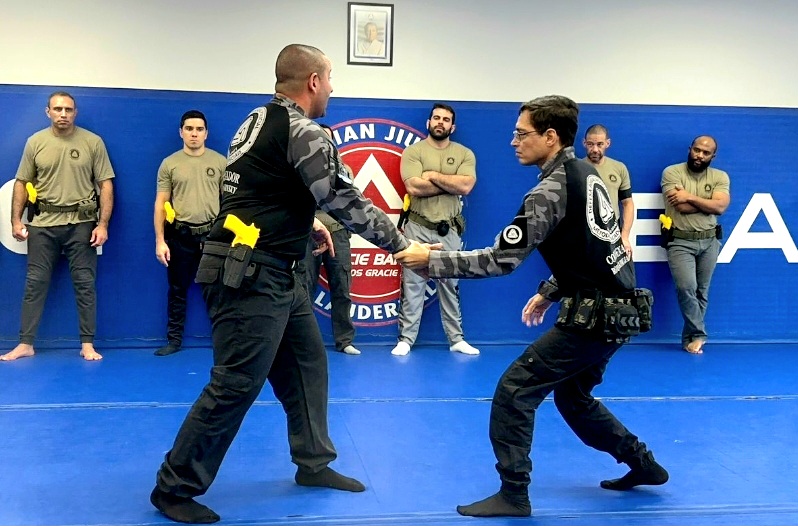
615	177
564	217
437	172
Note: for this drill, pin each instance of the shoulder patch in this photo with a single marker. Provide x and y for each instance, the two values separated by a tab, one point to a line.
514	235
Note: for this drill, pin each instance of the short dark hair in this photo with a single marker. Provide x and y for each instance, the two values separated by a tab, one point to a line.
60	94
295	63
708	137
597	128
442	106
556	112
193	114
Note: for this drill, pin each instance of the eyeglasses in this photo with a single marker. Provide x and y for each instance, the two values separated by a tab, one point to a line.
520	135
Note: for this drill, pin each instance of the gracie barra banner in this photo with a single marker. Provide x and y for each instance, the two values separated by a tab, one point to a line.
754	280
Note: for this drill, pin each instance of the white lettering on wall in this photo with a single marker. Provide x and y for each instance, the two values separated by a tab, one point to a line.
741	237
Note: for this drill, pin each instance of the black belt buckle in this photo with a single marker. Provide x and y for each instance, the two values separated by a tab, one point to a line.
442	228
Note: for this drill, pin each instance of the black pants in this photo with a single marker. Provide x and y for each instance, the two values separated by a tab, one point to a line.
185	250
339	277
571	365
45	245
263	330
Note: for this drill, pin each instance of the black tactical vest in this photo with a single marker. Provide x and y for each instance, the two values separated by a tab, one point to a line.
266	188
584	252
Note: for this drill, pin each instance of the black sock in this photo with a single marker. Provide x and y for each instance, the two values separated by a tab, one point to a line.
167	350
650	473
328	478
182	509
498	505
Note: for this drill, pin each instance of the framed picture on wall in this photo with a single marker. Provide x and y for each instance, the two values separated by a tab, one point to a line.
370	34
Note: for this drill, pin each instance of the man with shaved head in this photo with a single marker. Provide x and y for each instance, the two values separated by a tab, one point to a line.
695	195
280	167
615	176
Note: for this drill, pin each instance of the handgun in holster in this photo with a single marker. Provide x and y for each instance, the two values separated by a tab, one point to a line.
236	264
32	205
169	221
405	213
665	230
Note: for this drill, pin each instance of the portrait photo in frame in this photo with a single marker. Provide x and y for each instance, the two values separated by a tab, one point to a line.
370	34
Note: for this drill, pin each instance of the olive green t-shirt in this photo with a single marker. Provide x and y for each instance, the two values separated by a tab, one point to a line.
194	183
455	159
702	185
616	179
64	171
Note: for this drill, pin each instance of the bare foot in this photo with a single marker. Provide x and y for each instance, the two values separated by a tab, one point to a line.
23	350
88	352
694	347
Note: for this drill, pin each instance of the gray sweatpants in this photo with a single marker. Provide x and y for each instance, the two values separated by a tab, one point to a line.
413	287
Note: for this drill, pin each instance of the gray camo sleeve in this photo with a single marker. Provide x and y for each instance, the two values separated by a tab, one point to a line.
320	165
542	210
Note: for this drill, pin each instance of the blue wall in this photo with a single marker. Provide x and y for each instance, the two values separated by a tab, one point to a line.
748	299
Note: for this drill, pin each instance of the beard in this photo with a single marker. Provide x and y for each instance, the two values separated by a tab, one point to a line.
595	157
697	166
439	134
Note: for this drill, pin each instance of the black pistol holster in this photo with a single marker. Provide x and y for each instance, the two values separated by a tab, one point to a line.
33	210
236	265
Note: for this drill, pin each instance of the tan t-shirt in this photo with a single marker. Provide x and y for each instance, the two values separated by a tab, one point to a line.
702	185
194	184
616	179
455	159
64	171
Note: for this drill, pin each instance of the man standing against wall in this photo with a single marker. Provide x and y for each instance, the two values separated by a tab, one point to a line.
437	172
695	195
190	180
62	166
615	177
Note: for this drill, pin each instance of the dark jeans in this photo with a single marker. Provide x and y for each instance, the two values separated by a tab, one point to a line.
263	330
185	251
339	277
571	365
44	250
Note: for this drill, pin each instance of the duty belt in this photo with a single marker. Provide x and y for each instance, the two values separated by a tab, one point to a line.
694	236
426	223
44	207
260	257
196	230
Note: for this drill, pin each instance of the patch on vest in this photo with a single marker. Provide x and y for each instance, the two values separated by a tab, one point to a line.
600	215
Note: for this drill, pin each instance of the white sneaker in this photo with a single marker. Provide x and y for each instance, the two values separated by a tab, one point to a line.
464	348
350	349
401	349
